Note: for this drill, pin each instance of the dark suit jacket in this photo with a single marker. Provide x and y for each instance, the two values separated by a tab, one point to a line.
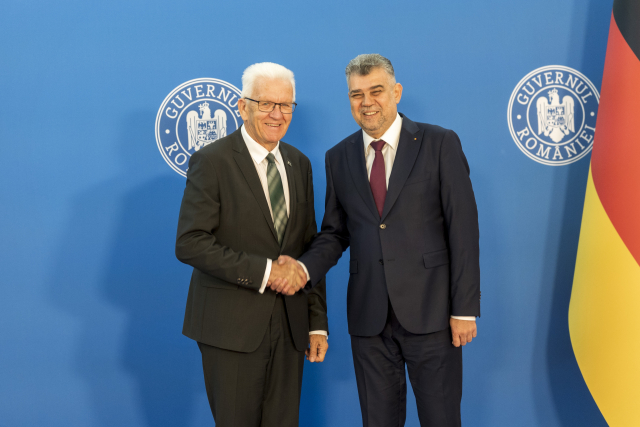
226	233
423	253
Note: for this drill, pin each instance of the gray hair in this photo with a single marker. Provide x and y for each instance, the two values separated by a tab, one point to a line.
363	64
267	70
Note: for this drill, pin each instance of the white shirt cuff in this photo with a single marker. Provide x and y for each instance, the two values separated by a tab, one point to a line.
304	267
319	333
265	279
470	318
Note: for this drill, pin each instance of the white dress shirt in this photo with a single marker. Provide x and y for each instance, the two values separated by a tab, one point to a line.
259	155
392	139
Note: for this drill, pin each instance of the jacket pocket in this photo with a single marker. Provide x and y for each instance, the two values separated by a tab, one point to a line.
353	266
435	259
417	179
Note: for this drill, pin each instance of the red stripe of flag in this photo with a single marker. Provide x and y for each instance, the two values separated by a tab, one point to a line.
615	160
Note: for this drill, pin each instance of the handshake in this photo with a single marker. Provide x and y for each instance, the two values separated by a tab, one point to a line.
287	276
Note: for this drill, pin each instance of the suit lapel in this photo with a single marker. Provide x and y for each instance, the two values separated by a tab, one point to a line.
408	148
358	169
248	169
291	181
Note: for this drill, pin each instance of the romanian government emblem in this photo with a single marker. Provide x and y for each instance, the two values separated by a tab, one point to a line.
552	115
195	114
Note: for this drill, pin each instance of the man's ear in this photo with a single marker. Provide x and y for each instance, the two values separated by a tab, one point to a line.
397	92
242	108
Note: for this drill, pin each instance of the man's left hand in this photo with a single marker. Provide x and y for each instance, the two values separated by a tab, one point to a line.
463	331
318	347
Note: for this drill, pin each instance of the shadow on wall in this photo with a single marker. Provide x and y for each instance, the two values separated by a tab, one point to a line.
118	274
573	402
313	393
329	394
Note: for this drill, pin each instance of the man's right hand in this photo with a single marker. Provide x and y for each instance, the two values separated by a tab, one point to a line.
287	276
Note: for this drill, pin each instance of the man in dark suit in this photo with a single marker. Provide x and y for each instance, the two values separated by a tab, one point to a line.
248	200
399	194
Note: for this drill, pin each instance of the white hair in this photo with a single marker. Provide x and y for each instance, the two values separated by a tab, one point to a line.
267	70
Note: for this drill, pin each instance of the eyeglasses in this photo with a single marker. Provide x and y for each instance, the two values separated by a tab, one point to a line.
268	106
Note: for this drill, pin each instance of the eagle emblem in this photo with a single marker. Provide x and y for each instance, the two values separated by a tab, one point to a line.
204	129
554	119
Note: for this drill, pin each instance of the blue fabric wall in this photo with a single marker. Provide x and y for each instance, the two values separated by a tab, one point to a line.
91	295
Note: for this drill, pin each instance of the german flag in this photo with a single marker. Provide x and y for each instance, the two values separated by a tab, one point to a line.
604	313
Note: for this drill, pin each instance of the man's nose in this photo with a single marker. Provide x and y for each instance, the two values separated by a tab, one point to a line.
367	101
276	113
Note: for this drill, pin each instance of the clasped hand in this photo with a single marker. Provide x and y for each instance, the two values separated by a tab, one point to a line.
287	276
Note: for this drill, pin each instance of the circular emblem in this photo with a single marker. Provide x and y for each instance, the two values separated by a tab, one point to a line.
195	114
552	115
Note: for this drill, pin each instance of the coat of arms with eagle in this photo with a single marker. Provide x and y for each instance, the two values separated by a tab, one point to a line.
555	119
204	129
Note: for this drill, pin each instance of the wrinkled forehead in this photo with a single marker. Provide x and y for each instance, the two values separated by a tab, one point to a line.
266	87
374	78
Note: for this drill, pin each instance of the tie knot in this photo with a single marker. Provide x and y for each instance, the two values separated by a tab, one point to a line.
271	158
377	145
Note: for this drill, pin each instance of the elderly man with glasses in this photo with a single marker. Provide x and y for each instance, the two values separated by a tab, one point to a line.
247	201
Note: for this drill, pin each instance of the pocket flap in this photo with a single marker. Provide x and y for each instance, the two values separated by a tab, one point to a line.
434	259
353	266
417	179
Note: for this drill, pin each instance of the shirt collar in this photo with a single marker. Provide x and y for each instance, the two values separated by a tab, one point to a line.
391	136
257	151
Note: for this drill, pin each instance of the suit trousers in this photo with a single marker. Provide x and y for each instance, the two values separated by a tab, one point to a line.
435	372
257	389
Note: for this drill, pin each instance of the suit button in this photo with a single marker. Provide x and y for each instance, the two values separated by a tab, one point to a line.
383	226
381	262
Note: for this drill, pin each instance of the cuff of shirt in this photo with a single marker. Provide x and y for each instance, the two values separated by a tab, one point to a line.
265	279
304	267
319	333
470	318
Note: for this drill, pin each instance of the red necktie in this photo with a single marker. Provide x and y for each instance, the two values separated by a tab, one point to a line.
378	177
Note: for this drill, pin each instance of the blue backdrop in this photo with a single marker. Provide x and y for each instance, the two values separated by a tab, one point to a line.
92	297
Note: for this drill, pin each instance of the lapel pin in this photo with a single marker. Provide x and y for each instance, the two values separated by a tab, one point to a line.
289	163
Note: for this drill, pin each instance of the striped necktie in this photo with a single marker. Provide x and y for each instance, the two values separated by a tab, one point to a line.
276	194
